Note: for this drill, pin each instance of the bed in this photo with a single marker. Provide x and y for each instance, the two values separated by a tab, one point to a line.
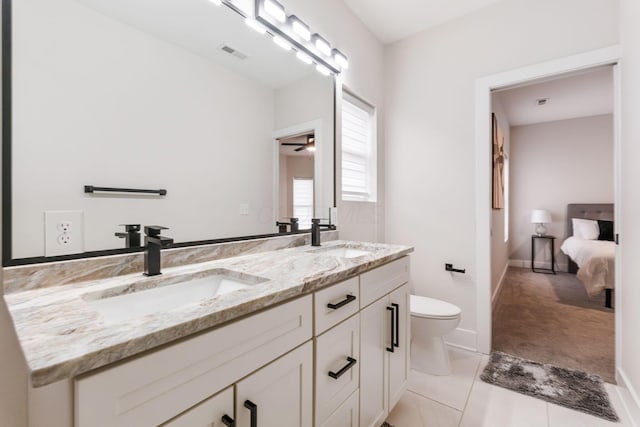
592	260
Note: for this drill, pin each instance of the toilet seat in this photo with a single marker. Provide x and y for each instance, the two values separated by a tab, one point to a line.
433	309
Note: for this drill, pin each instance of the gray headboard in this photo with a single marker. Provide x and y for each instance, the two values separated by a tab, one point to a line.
586	211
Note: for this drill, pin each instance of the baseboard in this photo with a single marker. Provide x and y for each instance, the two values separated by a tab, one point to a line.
526	263
463	338
628	397
494	297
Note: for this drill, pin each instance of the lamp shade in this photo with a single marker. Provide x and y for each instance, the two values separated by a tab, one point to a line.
540	216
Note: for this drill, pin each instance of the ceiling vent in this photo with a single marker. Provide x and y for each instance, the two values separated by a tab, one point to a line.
542	101
232	51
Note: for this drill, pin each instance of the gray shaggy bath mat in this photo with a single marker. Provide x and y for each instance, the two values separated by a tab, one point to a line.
386	424
567	387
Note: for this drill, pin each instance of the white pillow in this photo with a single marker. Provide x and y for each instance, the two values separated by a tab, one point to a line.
585	228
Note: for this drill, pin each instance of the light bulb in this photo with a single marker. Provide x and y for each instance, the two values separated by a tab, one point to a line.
275	9
255	25
281	42
300	28
340	59
304	57
323	70
322	45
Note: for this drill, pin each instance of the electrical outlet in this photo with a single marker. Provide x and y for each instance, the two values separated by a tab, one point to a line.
244	209
63	232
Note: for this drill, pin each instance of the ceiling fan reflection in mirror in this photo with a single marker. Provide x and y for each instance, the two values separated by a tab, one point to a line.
310	145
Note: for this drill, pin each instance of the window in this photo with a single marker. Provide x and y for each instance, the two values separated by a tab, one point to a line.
359	173
303	201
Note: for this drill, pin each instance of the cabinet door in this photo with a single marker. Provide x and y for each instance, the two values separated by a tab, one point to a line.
208	413
375	337
337	366
399	359
346	415
280	394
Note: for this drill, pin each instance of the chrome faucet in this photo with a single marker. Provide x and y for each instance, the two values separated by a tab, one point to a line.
154	242
315	230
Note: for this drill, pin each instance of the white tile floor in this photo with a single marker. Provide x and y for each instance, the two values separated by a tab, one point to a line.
462	399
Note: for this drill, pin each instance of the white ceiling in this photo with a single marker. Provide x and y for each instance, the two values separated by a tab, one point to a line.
203	28
581	94
391	21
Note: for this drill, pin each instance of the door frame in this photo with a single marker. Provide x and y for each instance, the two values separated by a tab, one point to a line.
315	127
606	56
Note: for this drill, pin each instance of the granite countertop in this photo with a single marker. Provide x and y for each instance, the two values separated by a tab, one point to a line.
63	335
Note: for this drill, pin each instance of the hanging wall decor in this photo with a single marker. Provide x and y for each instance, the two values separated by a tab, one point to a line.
498	165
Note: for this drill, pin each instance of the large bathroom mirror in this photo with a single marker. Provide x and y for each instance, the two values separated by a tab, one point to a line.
174	95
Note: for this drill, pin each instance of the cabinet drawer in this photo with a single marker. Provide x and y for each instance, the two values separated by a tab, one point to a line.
337	366
156	387
208	413
376	283
346	415
343	297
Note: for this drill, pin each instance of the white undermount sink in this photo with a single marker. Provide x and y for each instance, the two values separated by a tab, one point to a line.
164	297
341	251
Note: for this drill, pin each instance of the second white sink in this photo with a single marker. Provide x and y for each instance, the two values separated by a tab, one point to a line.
341	251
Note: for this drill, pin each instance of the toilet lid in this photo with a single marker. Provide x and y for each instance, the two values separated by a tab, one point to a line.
429	307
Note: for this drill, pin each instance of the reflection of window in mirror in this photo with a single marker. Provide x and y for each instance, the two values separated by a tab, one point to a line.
359	171
303	201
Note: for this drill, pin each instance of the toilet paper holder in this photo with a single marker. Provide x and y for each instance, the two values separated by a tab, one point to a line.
449	267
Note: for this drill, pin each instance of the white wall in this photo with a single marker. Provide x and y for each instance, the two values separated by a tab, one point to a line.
357	221
499	245
132	137
630	209
554	164
429	119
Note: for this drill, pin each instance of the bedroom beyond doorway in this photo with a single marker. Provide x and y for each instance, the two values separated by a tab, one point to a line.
558	138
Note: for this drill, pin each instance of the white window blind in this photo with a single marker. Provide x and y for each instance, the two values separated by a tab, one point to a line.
358	150
303	201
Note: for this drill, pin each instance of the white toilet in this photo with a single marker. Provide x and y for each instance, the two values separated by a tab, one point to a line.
431	319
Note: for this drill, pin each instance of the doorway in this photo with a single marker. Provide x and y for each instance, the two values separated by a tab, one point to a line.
557	137
296	180
484	86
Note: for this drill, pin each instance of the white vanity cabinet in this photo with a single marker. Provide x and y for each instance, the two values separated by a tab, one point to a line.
337	358
384	341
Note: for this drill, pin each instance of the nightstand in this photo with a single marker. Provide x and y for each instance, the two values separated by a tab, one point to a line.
551	239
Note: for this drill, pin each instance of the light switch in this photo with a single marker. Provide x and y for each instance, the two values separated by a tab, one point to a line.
244	208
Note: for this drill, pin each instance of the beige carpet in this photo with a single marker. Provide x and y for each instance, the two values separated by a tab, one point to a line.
550	319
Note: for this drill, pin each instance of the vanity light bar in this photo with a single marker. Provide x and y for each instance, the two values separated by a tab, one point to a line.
275	9
292	33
